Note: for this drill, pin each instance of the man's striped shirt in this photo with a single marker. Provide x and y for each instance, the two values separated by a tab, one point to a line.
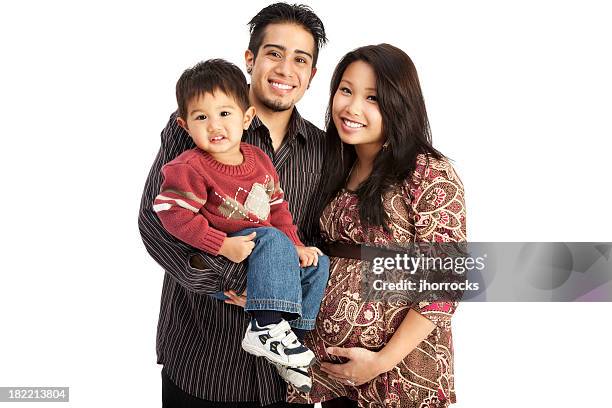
198	337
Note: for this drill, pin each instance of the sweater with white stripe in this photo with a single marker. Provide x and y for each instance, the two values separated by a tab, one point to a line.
202	200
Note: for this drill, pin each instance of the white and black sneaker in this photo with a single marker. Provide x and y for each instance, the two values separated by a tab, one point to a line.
278	343
296	376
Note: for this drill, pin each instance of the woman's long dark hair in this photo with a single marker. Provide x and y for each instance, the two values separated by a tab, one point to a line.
405	128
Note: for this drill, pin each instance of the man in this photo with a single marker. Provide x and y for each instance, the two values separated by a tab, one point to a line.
198	339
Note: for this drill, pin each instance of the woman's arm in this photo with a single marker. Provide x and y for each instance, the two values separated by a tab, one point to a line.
412	331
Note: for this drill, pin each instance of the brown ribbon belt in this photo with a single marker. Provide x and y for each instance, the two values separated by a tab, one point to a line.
356	251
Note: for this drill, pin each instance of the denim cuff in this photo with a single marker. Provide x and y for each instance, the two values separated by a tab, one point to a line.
273	304
303	324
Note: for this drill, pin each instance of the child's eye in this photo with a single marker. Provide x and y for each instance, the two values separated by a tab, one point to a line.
372	98
345	90
225	113
200	117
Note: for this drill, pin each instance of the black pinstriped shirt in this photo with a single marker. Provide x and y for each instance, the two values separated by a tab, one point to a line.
198	337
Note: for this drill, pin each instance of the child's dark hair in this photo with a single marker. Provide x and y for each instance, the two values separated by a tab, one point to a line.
279	13
210	76
405	128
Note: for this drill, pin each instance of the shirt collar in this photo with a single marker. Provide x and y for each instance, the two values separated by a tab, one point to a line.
297	125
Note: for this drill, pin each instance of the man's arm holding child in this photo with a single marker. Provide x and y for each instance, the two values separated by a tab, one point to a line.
195	270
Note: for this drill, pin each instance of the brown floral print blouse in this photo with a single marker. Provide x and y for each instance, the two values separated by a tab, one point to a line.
424	378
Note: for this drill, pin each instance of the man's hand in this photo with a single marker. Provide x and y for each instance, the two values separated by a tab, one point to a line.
308	255
237	249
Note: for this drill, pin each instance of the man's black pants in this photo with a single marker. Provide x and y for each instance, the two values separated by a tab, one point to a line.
174	397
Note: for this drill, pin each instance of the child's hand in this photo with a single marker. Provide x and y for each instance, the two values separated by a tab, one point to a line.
308	255
237	249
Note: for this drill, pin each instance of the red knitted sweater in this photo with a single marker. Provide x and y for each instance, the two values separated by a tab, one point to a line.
203	200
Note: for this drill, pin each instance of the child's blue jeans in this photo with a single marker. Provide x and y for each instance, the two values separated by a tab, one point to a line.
275	280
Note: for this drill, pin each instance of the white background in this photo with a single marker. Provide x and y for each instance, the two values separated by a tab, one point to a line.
518	94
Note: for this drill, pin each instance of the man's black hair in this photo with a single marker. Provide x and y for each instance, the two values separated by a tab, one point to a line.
279	13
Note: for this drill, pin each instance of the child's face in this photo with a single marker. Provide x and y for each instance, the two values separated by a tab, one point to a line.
355	110
215	123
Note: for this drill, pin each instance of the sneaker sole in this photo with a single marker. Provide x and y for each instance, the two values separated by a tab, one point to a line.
257	351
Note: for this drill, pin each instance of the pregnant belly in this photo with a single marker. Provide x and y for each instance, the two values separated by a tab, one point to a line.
348	318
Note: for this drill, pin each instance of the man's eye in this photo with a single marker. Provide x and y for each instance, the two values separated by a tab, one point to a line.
301	60
225	113
200	117
275	54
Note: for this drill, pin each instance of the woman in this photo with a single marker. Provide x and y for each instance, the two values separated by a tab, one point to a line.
386	186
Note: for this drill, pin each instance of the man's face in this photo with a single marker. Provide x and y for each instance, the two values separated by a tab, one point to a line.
283	68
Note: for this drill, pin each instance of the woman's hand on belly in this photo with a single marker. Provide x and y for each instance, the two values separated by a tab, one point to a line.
363	366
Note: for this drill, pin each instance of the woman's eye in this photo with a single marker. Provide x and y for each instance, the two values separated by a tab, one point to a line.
372	98
345	90
201	117
225	113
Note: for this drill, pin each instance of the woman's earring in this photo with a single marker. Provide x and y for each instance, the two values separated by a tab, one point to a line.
385	146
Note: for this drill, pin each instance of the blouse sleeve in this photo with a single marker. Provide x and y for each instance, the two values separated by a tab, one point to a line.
438	206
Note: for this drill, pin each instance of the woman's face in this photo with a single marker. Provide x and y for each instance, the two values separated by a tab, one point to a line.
355	108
